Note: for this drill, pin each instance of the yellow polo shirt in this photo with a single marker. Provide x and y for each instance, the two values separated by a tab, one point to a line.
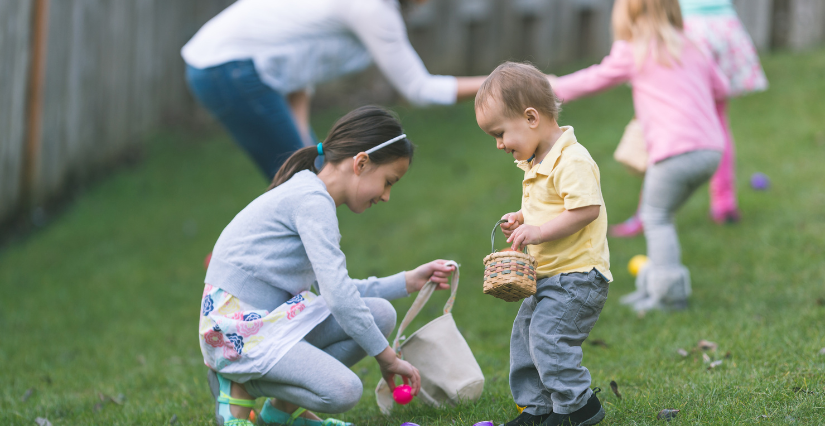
566	179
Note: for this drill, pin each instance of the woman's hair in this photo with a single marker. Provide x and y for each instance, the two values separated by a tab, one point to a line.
356	132
519	86
650	23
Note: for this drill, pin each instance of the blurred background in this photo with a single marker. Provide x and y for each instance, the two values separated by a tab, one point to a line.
85	81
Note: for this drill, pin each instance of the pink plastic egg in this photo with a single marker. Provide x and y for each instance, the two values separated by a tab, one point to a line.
402	394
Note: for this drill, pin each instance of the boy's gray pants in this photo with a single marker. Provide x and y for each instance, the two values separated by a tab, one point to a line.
545	348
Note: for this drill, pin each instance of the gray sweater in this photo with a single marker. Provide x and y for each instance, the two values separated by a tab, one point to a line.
285	241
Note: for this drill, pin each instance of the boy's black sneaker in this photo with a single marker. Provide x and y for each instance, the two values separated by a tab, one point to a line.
527	419
590	414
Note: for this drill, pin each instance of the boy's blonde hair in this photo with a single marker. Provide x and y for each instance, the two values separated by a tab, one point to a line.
650	22
519	86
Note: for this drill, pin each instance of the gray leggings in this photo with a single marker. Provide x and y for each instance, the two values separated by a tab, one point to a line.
315	373
668	184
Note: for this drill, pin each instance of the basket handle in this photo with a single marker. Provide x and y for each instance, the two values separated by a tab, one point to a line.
421	300
493	237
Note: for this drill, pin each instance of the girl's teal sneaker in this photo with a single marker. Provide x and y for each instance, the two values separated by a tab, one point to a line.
271	416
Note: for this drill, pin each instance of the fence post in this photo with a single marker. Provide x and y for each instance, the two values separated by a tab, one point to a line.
34	107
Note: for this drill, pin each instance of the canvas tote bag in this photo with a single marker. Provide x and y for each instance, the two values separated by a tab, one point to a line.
449	371
632	151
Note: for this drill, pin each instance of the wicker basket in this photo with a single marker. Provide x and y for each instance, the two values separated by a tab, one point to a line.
509	275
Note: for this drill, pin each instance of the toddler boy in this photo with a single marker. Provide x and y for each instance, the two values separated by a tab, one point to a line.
563	224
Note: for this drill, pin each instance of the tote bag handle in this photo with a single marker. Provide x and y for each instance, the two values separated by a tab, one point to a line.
421	300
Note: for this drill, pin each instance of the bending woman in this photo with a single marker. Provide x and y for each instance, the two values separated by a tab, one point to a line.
253	66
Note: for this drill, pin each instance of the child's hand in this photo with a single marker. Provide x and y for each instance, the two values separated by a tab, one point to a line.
525	235
552	79
514	220
435	271
391	366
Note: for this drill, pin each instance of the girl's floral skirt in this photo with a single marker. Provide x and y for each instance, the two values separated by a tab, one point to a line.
732	50
243	343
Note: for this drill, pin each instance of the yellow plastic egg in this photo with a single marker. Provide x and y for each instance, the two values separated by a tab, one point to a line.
636	264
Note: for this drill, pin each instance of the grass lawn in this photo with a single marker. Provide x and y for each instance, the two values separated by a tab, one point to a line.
102	304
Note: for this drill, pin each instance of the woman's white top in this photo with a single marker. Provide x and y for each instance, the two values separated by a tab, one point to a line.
295	44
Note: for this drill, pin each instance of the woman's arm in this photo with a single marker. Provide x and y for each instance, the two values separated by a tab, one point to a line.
468	87
616	68
379	25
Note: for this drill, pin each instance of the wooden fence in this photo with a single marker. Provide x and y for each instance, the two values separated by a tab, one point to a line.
113	72
472	36
467	37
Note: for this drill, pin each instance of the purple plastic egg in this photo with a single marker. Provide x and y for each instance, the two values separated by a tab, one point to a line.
760	181
408	424
485	423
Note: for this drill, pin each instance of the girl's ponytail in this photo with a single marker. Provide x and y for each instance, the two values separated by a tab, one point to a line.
302	159
358	131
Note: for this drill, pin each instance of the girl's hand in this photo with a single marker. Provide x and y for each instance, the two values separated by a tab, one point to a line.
435	271
552	79
525	235
391	366
514	220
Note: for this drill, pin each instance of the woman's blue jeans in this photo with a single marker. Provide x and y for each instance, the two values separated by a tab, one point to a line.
257	116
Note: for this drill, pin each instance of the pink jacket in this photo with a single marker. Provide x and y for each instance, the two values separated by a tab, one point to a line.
675	105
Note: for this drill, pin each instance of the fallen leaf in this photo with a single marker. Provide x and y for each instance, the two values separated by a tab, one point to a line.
727	355
42	422
615	388
27	395
706	345
104	398
98	407
667	414
705	358
174	419
715	364
598	342
820	301
682	352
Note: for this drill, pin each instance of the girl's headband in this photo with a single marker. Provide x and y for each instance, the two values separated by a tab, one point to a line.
377	147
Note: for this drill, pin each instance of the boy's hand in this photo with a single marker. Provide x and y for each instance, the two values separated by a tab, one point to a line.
435	271
564	225
514	220
525	235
